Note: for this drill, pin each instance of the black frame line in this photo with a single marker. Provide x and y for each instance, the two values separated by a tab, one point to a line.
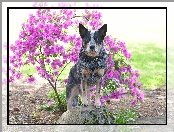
8	8
86	7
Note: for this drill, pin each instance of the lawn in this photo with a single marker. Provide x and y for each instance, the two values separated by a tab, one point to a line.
149	59
30	69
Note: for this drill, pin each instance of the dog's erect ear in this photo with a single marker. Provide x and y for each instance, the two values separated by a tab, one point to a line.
103	30
82	30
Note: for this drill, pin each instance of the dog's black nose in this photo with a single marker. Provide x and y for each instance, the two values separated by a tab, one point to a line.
92	47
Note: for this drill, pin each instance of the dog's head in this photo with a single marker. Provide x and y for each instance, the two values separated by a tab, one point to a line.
92	41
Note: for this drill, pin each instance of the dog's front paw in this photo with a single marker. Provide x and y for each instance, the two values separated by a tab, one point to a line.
85	103
97	105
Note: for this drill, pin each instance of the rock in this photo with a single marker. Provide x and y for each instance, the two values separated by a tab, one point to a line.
16	109
87	115
32	100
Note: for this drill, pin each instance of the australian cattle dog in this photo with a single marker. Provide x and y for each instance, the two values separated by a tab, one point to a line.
89	69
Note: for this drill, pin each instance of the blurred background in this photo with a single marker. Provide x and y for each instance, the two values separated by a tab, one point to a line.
129	25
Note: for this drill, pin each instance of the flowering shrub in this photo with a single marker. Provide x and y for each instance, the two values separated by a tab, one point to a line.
44	41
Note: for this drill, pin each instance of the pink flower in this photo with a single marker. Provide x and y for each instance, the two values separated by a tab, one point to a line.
93	89
126	81
92	95
50	102
141	97
103	83
47	60
109	73
131	86
56	73
137	75
129	68
48	76
11	79
115	95
31	79
116	75
65	81
134	92
133	102
109	59
52	79
102	101
124	69
12	71
105	97
18	75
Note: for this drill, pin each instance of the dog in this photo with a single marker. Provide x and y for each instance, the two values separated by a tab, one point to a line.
89	69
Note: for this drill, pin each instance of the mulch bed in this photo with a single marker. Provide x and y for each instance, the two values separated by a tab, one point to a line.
25	99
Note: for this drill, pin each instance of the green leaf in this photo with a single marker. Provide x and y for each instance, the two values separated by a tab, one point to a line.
51	94
116	64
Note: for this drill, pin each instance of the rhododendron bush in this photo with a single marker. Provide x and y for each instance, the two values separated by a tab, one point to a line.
46	42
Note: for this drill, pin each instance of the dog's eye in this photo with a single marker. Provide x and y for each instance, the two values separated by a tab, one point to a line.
95	38
87	39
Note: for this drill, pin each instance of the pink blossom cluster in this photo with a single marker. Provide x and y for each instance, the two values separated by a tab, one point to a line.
40	42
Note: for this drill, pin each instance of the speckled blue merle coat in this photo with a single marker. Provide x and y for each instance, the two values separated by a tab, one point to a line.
88	63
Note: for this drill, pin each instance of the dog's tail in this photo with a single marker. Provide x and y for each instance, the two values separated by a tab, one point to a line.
75	102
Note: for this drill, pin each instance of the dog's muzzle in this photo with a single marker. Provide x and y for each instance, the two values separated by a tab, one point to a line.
92	48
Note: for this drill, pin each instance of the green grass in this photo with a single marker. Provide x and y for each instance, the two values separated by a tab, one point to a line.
66	71
150	60
28	70
124	116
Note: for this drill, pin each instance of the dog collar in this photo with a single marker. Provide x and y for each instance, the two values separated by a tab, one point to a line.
91	58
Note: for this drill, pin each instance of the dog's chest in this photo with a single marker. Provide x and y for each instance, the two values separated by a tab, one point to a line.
92	78
90	64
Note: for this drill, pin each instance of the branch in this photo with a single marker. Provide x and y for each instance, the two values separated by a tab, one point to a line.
80	16
63	69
